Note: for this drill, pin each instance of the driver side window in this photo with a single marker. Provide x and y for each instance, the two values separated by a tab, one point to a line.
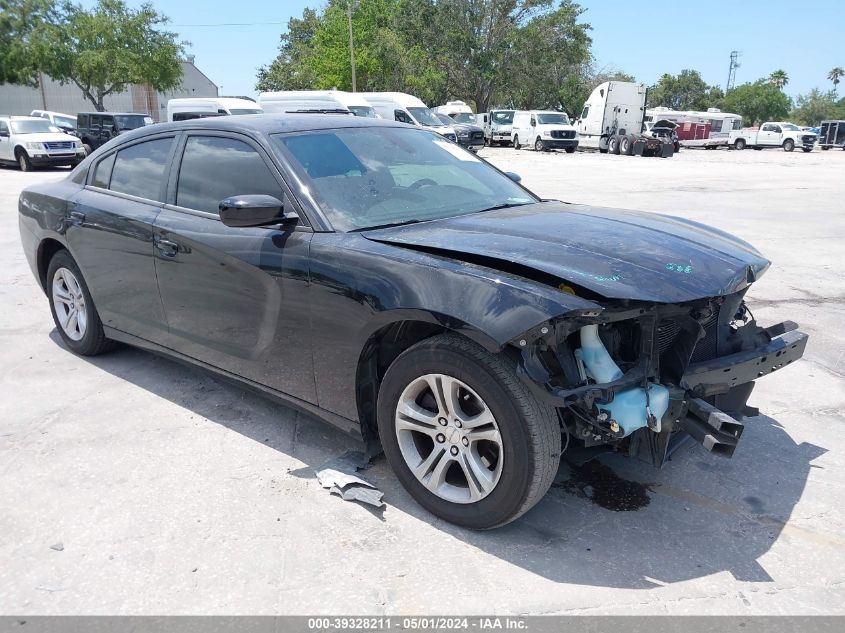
401	116
533	121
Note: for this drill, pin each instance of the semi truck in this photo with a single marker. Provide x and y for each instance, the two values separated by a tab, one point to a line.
613	121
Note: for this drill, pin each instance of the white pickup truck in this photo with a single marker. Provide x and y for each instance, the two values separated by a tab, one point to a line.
773	134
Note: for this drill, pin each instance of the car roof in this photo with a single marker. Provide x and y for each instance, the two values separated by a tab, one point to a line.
20	117
267	124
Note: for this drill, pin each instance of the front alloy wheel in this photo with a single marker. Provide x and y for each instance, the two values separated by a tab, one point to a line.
449	438
464	435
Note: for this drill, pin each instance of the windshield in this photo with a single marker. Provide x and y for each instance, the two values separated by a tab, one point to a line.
791	128
32	126
234	111
503	117
365	111
132	121
367	177
65	121
424	116
444	119
464	117
547	118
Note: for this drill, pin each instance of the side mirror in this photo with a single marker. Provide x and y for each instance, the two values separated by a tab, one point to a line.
253	210
513	176
4	133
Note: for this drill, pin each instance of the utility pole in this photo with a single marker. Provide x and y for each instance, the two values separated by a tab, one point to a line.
353	4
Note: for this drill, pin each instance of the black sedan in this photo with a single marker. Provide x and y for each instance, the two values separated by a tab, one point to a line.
392	283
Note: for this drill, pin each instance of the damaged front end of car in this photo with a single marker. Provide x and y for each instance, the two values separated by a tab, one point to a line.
643	377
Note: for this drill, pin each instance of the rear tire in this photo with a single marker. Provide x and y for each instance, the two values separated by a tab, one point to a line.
515	460
739	143
516	144
73	309
626	145
613	145
788	145
24	162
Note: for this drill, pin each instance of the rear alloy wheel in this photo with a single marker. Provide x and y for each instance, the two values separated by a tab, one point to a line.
625	146
23	161
73	310
788	145
464	435
516	144
739	143
539	146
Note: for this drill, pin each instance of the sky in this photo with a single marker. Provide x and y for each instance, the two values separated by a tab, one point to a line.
645	39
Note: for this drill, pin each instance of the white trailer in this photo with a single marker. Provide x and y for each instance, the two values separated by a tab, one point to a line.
199	108
613	120
316	101
708	129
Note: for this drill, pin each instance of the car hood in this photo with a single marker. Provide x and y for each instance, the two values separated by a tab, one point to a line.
615	253
45	137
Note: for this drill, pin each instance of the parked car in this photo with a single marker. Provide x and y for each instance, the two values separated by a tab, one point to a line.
98	128
497	127
543	130
469	136
773	134
407	291
30	142
832	134
667	130
65	122
405	108
201	107
319	101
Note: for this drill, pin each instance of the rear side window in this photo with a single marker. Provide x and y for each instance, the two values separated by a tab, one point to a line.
214	168
82	120
139	170
102	174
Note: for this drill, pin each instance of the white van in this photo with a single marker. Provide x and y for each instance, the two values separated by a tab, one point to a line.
398	106
199	108
543	130
459	111
325	101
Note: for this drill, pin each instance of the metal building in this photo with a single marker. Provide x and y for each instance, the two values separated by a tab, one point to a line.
51	95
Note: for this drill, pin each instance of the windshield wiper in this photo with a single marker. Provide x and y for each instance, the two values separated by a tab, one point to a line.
504	205
384	226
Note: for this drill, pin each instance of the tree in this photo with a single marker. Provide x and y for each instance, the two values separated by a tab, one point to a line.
779	78
437	50
757	102
104	50
814	107
686	91
20	24
835	75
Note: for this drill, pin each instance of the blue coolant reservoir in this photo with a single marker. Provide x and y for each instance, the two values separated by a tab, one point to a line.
628	408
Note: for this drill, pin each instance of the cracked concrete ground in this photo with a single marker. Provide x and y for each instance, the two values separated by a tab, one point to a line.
171	492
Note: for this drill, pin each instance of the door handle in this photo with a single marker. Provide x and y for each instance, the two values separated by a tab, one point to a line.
166	247
76	218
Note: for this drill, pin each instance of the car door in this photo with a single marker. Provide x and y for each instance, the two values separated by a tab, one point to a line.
235	298
6	152
110	234
765	135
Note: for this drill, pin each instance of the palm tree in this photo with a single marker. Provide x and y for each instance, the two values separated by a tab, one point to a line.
779	78
834	76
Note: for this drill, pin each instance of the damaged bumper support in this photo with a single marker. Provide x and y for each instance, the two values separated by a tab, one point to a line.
657	402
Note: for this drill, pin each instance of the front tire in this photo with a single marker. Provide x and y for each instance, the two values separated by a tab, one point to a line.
23	160
539	146
73	310
516	144
464	435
